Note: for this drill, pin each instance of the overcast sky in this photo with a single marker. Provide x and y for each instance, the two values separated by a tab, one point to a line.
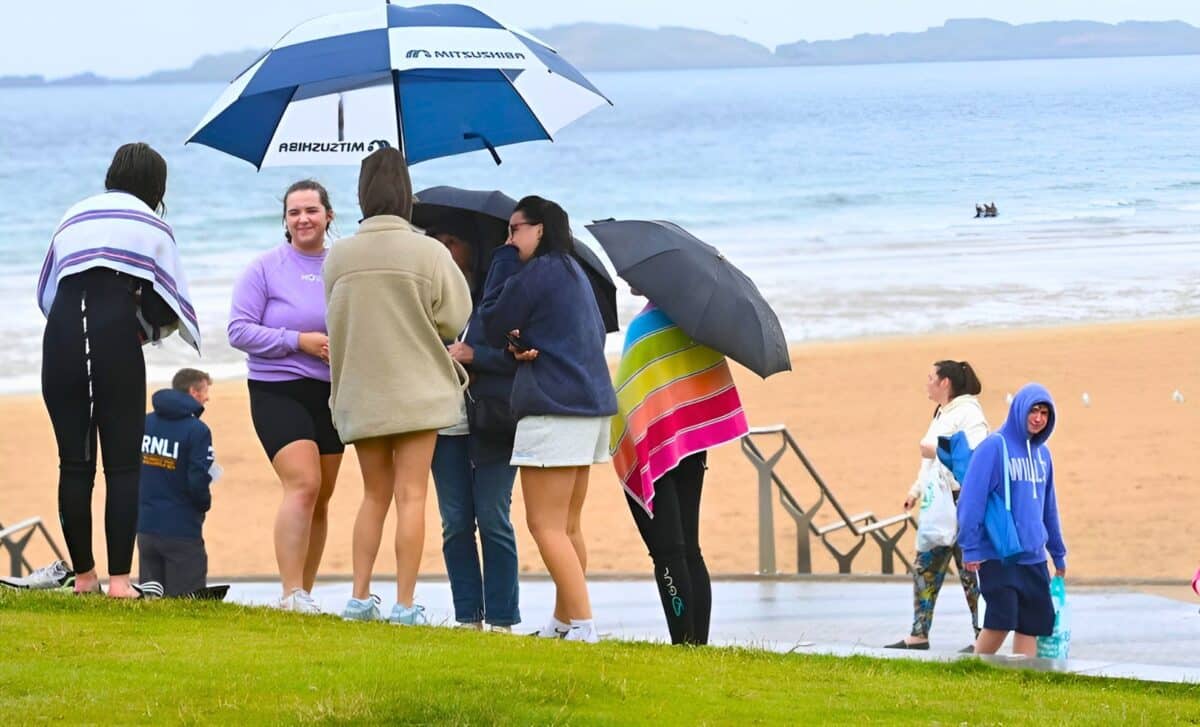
124	38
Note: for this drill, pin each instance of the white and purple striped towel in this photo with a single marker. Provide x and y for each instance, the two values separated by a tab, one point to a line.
118	231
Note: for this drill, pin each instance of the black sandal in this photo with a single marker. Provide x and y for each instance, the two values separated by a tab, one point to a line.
902	644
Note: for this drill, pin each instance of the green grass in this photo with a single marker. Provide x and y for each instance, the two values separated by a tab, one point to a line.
92	660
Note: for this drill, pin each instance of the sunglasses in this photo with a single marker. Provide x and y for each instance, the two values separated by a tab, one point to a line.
512	229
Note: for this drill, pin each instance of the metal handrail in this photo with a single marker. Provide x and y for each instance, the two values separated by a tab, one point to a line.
870	524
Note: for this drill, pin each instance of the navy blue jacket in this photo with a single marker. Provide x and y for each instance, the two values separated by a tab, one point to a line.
176	456
492	371
551	302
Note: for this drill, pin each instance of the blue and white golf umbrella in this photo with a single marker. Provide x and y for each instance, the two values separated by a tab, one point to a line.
432	80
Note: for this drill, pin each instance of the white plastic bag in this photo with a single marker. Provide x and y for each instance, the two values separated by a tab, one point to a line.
938	523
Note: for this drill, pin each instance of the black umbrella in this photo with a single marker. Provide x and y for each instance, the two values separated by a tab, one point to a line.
698	289
489	212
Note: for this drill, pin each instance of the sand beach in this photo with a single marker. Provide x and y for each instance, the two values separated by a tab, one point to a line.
1126	465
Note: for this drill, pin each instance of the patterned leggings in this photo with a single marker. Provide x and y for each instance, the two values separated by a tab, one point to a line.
929	571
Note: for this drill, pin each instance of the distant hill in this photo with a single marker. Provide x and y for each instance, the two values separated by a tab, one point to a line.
222	67
607	47
988	40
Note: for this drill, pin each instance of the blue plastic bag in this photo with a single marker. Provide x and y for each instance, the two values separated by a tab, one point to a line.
1058	644
998	519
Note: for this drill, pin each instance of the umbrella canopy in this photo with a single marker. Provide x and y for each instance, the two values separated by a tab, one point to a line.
489	211
432	81
702	292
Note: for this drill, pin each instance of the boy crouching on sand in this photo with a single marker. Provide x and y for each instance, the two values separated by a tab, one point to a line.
177	469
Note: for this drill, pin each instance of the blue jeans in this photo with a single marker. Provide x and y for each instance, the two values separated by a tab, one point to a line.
468	495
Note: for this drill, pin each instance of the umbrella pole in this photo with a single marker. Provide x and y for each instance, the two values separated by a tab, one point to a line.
399	110
486	143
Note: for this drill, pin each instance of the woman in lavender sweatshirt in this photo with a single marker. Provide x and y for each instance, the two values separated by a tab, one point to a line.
278	318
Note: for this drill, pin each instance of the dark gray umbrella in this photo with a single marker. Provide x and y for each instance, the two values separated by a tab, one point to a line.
698	289
489	211
440	200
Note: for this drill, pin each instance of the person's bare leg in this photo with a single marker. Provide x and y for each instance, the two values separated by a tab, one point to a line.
575	529
575	515
547	493
1024	644
413	458
330	463
990	641
298	466
378	473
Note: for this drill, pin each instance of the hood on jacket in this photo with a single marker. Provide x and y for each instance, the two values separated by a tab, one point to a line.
1015	426
962	401
172	404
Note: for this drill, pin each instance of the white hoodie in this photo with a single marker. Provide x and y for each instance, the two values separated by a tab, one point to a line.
964	414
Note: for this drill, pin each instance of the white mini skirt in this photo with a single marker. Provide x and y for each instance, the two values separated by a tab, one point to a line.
560	441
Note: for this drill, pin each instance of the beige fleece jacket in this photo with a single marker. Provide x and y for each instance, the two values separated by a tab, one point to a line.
392	297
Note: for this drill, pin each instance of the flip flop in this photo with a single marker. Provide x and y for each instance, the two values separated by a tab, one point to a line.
148	590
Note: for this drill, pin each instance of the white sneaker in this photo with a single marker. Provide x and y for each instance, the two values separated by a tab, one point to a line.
555	629
470	625
55	575
585	632
362	609
495	629
299	601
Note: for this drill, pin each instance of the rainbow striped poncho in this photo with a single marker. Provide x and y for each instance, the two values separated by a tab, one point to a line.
675	397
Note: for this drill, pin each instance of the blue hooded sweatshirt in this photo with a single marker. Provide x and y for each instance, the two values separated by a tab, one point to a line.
1031	483
176	456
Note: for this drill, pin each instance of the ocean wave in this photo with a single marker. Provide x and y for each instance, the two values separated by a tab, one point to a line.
1079	185
835	200
1124	203
1096	219
1187	184
256	217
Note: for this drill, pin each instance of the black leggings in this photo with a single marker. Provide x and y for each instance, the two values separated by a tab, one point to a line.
94	381
673	537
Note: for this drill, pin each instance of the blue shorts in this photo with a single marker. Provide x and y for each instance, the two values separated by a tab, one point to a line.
1017	598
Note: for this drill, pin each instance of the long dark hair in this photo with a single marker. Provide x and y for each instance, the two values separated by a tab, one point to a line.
139	170
961	376
556	227
307	185
384	187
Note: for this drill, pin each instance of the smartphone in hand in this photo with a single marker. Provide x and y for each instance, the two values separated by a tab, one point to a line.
515	343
